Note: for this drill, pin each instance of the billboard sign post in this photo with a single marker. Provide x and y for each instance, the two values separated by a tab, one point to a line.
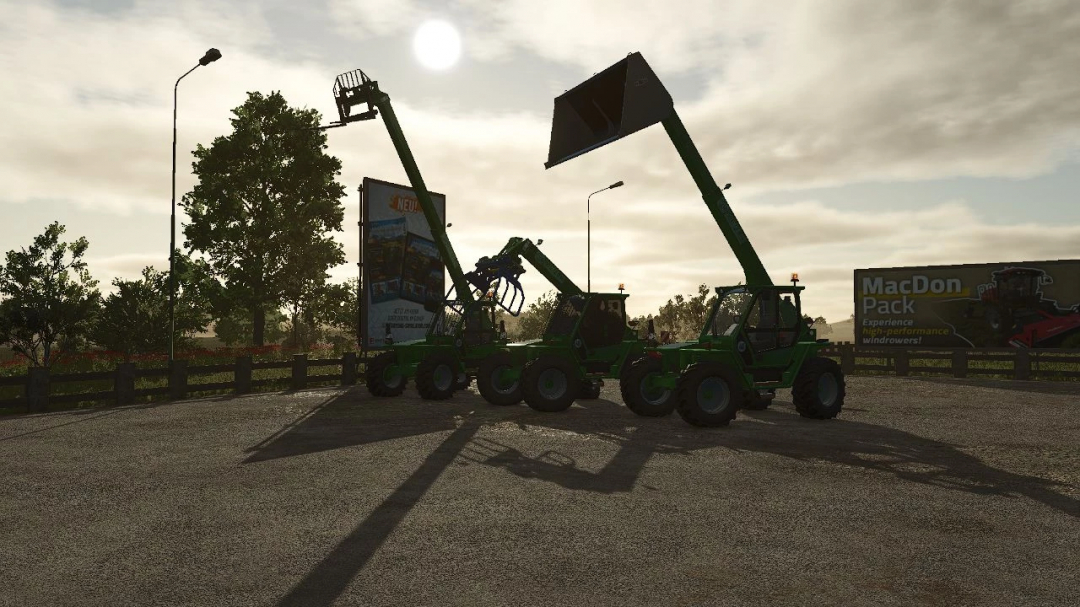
402	276
1032	304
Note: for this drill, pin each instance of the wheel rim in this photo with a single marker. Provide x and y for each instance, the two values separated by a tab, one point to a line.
827	389
651	394
391	377
552	384
500	385
442	377
713	395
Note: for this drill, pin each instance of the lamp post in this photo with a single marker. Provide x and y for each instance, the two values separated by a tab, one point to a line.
211	56
588	235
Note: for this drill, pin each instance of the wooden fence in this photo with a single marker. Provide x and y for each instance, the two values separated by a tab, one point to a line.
1015	363
38	381
1019	364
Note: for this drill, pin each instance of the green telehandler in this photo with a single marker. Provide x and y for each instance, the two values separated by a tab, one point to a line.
464	330
755	340
585	340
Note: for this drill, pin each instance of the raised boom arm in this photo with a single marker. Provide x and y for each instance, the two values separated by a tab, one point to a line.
624	99
355	88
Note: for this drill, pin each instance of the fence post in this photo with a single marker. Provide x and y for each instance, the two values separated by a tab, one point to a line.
242	375
902	363
1022	364
299	371
177	379
37	389
847	359
124	384
959	363
348	369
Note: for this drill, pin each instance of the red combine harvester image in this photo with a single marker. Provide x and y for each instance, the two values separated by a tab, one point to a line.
1014	307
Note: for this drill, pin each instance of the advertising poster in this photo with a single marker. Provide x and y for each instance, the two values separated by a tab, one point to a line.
1032	304
403	275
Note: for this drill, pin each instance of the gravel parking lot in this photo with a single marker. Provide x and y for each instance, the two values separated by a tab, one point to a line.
923	492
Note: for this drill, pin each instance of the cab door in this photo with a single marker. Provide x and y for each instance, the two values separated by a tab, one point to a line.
768	336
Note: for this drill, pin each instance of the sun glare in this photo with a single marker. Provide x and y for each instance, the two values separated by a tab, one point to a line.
437	45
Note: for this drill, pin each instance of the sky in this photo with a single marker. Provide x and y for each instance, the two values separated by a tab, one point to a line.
855	134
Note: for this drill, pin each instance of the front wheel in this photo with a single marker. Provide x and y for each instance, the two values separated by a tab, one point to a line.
436	377
382	376
819	389
639	396
709	394
493	385
549	384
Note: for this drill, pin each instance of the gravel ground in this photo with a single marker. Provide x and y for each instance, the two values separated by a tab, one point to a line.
924	492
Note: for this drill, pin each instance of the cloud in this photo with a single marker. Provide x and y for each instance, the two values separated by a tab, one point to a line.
793	96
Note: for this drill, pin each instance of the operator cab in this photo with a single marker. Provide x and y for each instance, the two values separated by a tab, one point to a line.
765	324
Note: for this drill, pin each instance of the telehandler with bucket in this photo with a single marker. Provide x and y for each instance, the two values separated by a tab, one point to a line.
755	340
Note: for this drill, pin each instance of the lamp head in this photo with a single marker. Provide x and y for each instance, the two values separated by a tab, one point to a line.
617	184
211	56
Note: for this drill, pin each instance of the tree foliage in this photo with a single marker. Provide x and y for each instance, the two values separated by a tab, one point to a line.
263	209
50	301
533	320
135	319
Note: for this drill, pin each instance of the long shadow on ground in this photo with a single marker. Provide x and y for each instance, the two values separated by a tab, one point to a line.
354	418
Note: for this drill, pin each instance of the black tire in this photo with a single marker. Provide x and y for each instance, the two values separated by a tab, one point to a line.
590	389
709	394
758	401
490	388
436	376
379	380
819	389
549	384
646	403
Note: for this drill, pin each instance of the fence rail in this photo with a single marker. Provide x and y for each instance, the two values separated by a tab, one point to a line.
40	392
1017	363
1021	364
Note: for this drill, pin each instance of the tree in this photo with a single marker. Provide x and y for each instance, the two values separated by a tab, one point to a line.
135	319
236	328
264	205
49	298
533	321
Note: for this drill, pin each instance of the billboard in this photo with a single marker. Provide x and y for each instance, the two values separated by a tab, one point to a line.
401	271
1030	304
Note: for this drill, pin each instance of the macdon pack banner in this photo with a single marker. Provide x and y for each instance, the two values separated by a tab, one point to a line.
1029	304
403	275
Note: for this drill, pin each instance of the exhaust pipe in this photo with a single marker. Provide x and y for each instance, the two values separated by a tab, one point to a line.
616	102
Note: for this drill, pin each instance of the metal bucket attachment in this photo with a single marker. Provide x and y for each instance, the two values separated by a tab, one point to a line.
620	100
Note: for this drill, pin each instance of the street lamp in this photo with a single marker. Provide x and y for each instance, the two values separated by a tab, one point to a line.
588	234
211	56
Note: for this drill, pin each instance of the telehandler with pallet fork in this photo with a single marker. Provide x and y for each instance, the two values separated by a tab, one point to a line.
464	330
755	340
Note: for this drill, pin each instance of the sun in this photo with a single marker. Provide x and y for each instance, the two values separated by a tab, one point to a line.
437	45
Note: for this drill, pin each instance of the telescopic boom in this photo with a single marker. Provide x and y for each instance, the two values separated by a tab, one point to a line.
624	99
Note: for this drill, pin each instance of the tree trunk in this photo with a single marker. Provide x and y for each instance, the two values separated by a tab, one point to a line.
259	325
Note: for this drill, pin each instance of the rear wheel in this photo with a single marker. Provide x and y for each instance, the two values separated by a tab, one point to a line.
382	376
639	397
709	394
549	384
819	389
436	376
492	386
